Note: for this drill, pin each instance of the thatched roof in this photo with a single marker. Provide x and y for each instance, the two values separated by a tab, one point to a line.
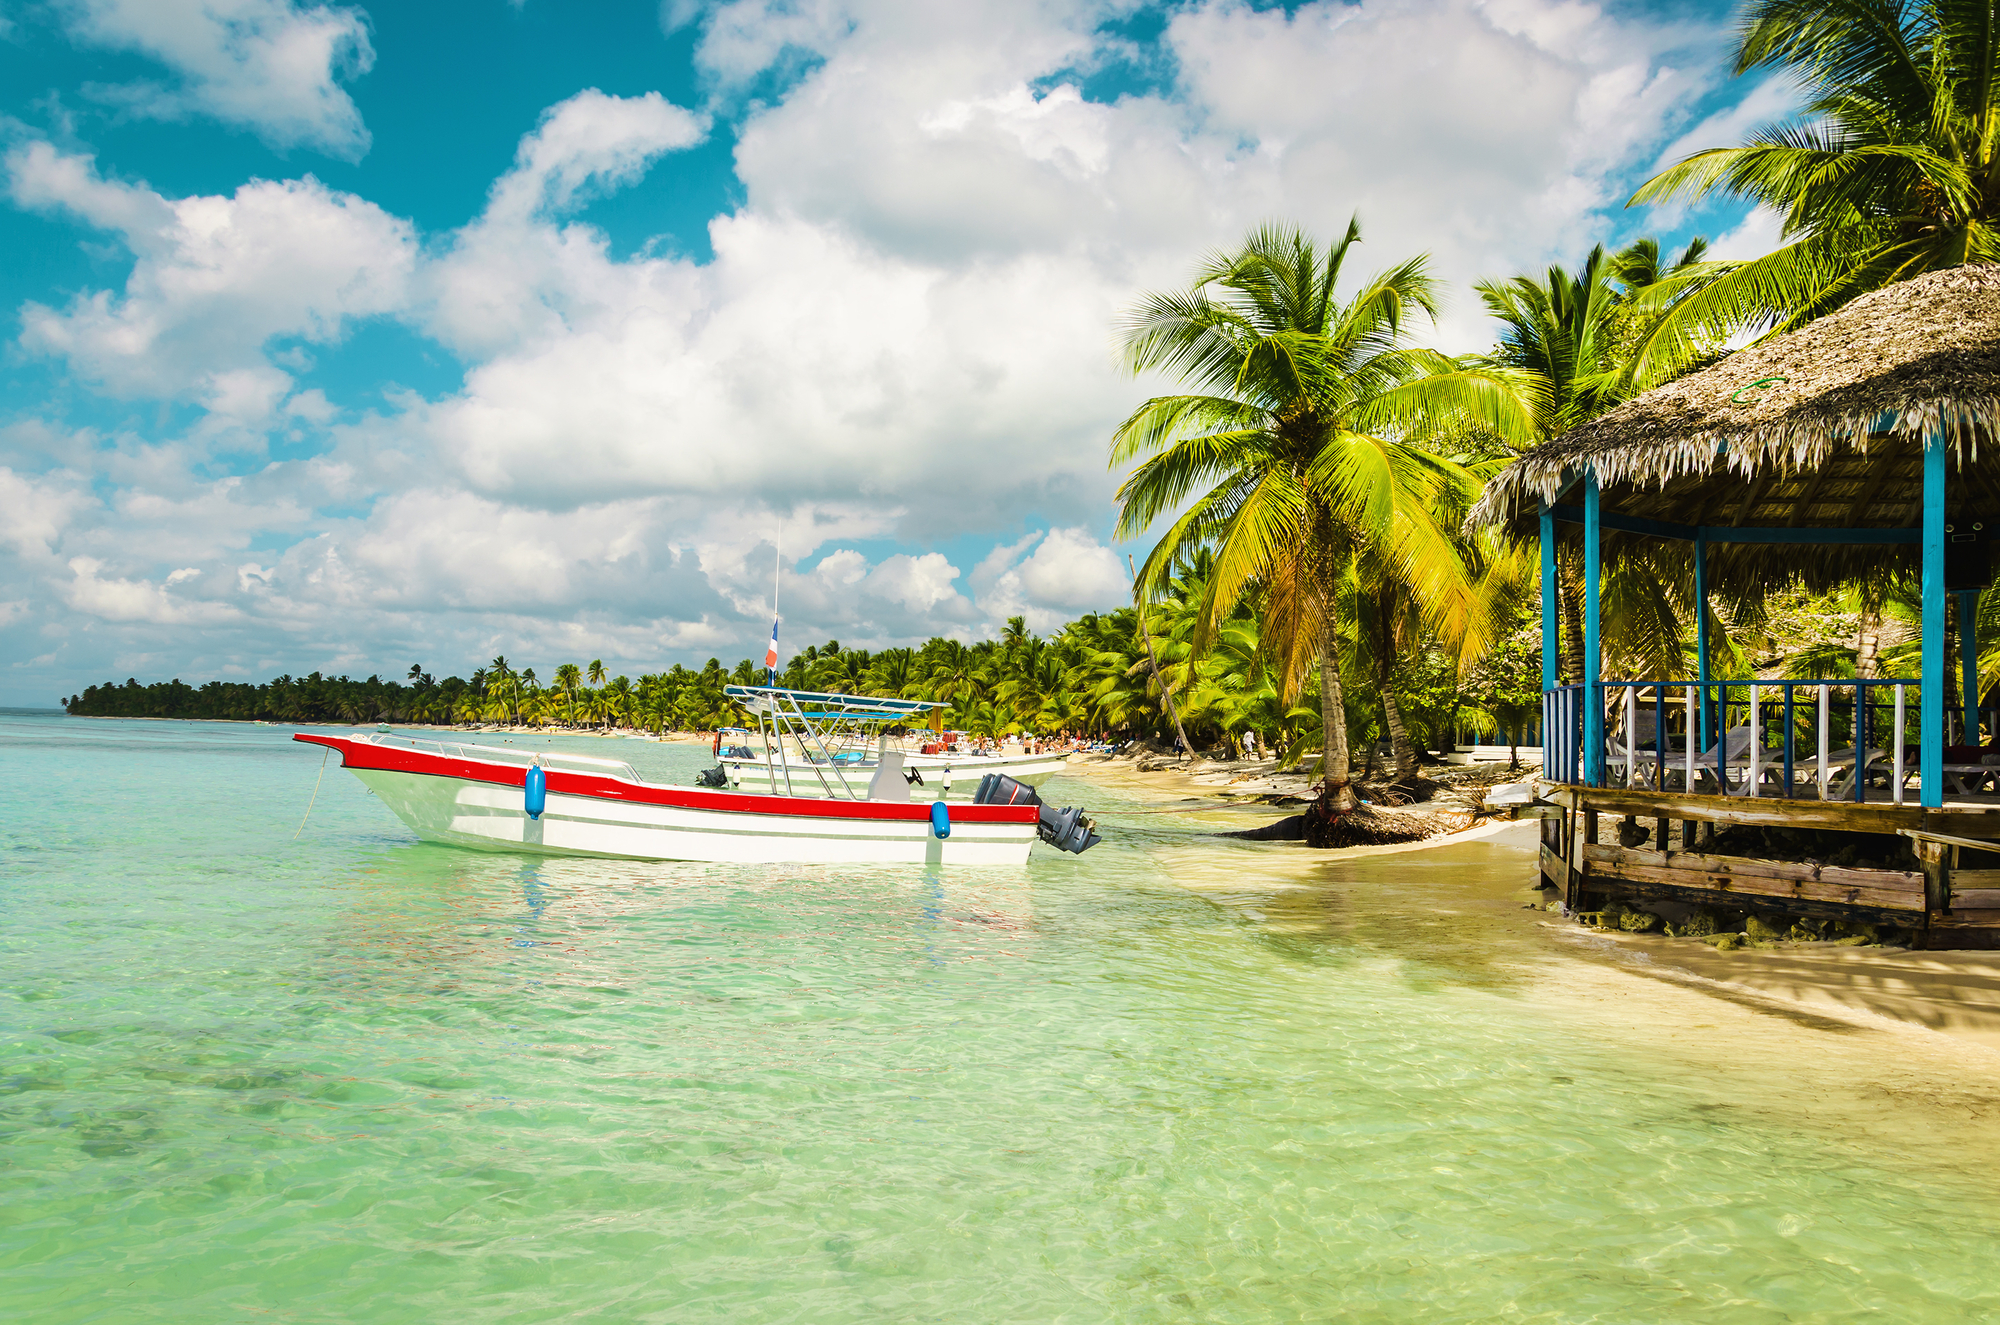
1783	433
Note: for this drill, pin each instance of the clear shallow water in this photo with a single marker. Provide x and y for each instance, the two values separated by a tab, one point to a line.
358	1078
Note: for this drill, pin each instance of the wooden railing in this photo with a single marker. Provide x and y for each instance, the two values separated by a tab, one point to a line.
1827	739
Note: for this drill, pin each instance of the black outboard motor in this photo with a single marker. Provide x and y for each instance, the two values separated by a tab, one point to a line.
712	777
999	789
1066	828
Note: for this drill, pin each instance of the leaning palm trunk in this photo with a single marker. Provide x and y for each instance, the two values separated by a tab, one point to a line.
1572	610
1337	767
1868	636
1400	748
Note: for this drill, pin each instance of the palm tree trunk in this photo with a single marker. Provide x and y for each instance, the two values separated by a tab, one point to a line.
1385	669
1868	635
1337	767
1399	736
1572	614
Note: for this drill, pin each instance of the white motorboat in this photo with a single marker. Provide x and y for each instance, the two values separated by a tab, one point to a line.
559	804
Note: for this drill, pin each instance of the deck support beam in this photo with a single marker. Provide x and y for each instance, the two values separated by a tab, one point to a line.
1930	722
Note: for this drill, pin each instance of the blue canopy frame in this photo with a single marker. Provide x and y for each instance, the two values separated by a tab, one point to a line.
1930	535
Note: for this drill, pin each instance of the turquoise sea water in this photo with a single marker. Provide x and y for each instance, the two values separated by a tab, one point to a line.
357	1078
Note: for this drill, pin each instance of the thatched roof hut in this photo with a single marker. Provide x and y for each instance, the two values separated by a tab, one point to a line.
1821	428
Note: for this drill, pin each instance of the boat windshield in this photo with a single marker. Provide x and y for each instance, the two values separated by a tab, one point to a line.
830	730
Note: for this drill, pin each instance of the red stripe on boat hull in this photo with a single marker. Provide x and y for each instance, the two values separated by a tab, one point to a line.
389	759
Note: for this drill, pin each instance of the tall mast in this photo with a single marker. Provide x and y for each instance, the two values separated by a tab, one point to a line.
777	565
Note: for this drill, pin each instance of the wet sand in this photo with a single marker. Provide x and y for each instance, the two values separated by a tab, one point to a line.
1942	1005
1898	1047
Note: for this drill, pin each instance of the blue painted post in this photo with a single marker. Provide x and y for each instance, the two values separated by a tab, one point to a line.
1701	631
1593	698
1930	720
1968	657
1551	641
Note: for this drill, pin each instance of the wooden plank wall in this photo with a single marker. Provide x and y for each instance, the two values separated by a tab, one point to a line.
1954	907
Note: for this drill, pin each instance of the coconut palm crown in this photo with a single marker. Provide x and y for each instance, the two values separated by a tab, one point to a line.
1306	440
1893	170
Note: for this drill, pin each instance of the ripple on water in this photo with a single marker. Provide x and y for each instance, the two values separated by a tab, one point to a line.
364	1079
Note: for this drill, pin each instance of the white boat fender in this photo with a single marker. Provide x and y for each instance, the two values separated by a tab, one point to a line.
940	821
535	790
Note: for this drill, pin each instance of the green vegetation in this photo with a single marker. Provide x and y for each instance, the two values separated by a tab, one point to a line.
1895	171
1310	458
1090	678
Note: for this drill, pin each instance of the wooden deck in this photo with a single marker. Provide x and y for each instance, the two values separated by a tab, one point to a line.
1952	900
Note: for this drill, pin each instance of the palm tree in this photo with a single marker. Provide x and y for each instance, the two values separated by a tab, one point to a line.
1305	445
568	677
618	699
1893	172
597	672
1586	341
953	670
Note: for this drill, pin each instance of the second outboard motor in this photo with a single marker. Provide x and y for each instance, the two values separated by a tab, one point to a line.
1068	829
999	789
712	777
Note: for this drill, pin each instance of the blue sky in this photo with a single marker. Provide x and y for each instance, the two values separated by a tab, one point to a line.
342	337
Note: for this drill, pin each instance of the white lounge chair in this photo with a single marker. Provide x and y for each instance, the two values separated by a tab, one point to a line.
1618	747
1735	760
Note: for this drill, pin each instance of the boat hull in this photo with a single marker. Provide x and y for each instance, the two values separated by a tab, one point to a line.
480	804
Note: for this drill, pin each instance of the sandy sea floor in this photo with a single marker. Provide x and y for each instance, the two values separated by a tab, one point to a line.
1874	1024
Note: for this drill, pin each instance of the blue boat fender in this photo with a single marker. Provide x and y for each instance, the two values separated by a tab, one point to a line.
940	821
536	789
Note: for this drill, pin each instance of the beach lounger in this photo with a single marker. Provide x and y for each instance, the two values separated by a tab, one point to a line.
1619	750
1735	761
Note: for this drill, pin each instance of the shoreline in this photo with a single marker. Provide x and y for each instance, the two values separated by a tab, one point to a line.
1950	994
1953	994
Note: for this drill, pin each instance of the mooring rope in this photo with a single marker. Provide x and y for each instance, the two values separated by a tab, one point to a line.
1191	809
315	796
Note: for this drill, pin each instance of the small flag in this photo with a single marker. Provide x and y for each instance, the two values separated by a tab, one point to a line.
771	654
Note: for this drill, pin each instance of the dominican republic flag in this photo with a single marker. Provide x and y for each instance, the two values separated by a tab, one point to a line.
771	654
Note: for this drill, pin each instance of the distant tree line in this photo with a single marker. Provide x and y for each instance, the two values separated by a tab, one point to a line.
1094	677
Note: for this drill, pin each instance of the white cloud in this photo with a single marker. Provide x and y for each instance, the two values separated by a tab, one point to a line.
272	66
590	138
124	600
1068	573
35	512
799	365
215	278
905	333
514	277
743	38
1757	234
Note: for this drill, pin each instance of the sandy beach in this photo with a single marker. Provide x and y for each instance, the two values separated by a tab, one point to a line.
1882	989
